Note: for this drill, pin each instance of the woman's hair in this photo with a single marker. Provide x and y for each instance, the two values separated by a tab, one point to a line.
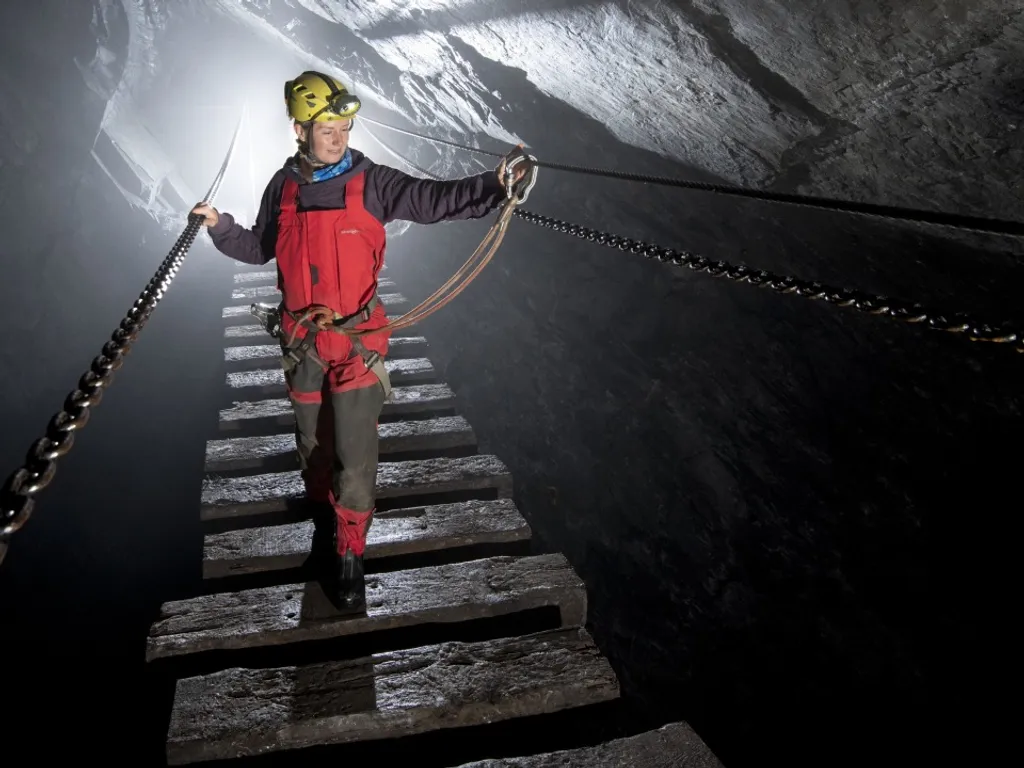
306	161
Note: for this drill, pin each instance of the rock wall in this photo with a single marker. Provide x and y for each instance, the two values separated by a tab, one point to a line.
789	515
913	103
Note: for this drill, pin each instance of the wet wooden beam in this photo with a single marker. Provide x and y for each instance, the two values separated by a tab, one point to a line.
240	315
244	712
265	292
672	746
394	532
267	275
236	335
270	381
395	437
418	398
225	497
440	594
252	356
256	293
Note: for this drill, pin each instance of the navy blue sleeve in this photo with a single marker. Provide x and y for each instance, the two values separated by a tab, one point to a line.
426	201
255	245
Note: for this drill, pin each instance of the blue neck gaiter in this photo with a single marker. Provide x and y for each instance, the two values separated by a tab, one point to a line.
330	171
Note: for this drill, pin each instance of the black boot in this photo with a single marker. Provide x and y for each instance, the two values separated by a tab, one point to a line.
350	592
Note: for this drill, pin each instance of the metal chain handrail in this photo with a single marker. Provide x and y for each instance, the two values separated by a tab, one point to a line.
970	327
960	322
17	495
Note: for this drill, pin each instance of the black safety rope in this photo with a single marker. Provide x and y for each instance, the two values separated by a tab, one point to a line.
962	323
958	221
17	496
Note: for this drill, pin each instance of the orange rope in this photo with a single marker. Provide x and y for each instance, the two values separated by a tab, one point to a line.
433	303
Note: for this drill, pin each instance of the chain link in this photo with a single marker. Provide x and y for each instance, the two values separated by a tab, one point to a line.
16	495
962	323
971	328
40	464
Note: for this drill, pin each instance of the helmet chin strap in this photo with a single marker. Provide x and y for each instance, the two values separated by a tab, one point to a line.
312	159
306	150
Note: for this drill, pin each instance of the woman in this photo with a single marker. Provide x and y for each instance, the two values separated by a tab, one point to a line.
322	217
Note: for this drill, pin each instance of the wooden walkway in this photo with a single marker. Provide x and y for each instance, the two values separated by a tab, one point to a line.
448	550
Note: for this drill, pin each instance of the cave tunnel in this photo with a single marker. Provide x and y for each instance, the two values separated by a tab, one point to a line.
777	520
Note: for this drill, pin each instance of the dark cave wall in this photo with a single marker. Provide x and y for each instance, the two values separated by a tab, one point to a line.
913	103
766	495
783	512
788	515
117	531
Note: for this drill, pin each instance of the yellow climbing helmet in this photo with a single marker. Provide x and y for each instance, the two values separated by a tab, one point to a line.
314	97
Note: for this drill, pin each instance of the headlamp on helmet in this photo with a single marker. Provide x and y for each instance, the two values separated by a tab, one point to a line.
315	97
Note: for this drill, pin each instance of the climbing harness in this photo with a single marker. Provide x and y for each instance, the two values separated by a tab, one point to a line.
18	492
516	192
972	328
319	318
316	319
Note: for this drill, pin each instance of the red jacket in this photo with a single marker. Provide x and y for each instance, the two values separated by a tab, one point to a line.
331	258
329	241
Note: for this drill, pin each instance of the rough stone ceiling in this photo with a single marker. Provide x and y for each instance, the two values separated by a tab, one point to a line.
914	103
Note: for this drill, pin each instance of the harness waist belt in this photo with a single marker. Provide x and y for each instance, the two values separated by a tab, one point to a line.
307	345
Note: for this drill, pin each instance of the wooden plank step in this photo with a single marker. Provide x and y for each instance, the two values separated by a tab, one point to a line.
395	437
240	315
234	333
418	398
264	292
672	746
244	334
244	712
394	532
255	293
225	497
440	594
267	275
258	355
270	381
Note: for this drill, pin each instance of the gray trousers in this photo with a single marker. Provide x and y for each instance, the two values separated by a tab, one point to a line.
336	435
